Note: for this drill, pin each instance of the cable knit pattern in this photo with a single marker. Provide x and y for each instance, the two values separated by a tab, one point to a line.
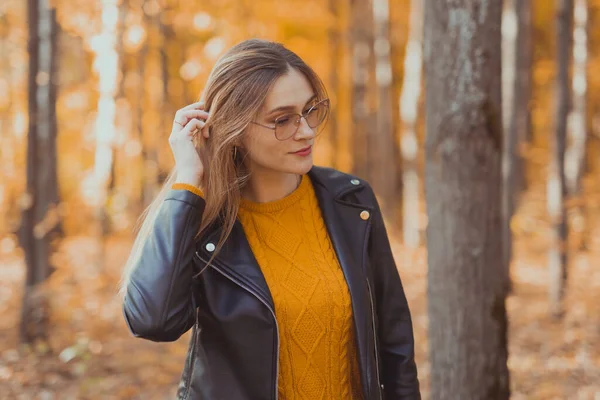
317	357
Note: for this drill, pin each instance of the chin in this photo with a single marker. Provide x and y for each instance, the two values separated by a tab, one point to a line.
303	167
298	167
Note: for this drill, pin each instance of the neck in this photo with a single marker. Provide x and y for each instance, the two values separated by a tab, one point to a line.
266	186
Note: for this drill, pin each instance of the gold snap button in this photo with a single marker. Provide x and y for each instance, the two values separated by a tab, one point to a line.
365	215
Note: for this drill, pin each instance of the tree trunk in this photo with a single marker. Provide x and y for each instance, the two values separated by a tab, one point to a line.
121	29
382	153
166	110
106	65
467	312
575	156
335	55
118	95
517	83
510	98
40	215
524	88
7	142
409	107
556	181
362	45
575	153
149	154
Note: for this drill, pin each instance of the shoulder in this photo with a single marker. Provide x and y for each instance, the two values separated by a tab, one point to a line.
338	182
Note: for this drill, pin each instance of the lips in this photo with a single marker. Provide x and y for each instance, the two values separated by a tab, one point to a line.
303	152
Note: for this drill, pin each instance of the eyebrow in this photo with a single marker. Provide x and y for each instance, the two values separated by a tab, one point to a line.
289	107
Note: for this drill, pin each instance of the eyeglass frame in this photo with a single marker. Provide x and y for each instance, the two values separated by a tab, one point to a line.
303	115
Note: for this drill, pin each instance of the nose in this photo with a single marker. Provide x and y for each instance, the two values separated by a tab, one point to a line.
304	131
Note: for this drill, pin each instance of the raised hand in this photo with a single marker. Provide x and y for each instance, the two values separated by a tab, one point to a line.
188	122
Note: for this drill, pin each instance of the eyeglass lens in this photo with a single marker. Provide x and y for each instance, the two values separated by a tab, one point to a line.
286	126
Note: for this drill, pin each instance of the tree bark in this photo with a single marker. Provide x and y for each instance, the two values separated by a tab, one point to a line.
382	153
524	88
40	215
149	154
106	66
165	33
335	47
517	84
556	181
119	95
575	154
510	98
362	52
466	303
409	108
7	142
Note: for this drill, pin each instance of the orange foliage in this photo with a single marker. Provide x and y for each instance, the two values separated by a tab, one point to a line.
92	355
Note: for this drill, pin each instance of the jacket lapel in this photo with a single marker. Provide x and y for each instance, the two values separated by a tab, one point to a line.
347	229
348	232
237	259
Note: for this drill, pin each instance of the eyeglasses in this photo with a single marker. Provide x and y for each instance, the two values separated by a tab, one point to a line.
287	125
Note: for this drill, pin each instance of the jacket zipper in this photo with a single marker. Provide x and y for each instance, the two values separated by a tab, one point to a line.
188	384
245	287
375	340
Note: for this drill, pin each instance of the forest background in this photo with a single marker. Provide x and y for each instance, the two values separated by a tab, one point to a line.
102	81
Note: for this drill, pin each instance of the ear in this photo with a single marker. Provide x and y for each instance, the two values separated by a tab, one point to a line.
239	144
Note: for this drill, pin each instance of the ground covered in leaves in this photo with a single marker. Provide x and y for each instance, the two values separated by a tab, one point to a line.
92	355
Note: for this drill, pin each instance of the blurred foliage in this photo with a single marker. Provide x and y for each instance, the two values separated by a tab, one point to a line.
90	357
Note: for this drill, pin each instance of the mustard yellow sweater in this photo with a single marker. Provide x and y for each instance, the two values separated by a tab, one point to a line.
317	349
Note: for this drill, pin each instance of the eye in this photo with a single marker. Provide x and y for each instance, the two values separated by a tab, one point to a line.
282	120
314	106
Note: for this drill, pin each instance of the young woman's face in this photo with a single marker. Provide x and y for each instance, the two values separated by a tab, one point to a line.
291	93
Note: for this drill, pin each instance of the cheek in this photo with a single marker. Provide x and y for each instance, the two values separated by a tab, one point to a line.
263	149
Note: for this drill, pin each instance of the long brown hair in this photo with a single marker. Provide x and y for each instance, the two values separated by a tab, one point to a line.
234	95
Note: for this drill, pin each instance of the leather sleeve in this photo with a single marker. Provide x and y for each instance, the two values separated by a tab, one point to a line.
158	301
395	332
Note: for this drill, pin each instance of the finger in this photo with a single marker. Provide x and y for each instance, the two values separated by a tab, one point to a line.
177	126
193	126
205	131
193	106
180	130
185	116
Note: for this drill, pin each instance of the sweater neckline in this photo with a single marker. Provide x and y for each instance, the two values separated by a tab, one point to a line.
281	204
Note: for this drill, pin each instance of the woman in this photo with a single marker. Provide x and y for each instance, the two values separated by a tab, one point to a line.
283	269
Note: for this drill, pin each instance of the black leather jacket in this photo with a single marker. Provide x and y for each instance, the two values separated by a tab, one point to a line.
233	353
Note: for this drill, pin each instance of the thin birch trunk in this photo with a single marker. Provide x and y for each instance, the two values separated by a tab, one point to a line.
510	97
148	153
409	113
106	65
40	214
575	154
362	39
524	89
556	181
382	154
335	47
